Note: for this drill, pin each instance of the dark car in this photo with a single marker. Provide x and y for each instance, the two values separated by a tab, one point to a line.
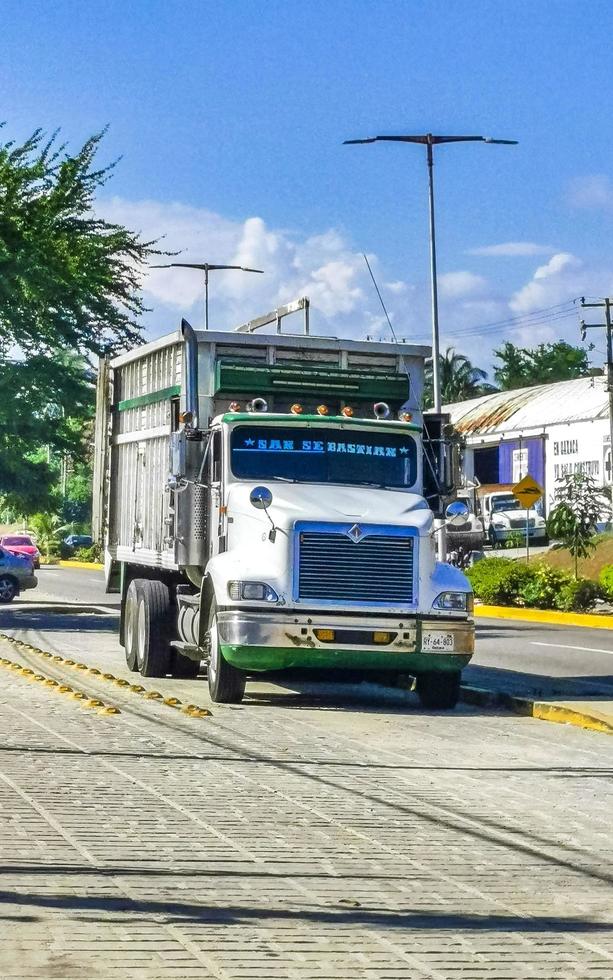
76	541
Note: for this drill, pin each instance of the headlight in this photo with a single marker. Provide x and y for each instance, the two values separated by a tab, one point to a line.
258	591
456	601
500	525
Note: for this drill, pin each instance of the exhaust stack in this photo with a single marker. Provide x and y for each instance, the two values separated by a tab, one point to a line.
191	372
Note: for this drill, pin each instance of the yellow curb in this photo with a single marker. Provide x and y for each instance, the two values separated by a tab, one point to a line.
570	716
562	714
550	616
93	566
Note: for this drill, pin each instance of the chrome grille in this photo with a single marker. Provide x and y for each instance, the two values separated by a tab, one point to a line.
377	569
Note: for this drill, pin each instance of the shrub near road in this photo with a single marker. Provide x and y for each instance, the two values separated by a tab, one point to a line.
502	581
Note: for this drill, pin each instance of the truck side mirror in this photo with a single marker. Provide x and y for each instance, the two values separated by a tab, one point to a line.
261	498
456	513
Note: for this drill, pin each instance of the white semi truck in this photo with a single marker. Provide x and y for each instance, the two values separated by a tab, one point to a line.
266	502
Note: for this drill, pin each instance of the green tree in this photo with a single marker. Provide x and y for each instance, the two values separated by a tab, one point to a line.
522	367
69	288
580	504
460	379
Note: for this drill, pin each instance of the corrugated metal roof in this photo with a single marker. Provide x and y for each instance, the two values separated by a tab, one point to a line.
581	400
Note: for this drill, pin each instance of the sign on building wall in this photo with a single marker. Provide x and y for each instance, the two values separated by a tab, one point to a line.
520	464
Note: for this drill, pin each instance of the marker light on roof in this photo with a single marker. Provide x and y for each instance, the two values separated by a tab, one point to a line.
347	411
405	416
257	405
323	410
296	409
235	406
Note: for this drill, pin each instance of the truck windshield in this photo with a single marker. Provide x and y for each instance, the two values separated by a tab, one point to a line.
323	455
506	503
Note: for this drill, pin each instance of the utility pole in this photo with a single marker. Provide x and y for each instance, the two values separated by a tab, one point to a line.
606	305
430	140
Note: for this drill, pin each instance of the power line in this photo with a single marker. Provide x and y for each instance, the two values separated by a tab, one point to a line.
547	314
374	282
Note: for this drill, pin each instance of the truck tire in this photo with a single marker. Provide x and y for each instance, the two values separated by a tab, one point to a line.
130	626
226	683
8	588
153	650
439	689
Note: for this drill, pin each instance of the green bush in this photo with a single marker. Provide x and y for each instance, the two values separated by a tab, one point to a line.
498	580
541	588
606	581
578	595
93	554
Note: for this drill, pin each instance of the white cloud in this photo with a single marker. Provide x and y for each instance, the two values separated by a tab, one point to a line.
557	281
323	267
454	285
595	191
512	249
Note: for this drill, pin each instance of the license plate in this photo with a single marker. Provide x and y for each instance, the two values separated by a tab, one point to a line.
437	641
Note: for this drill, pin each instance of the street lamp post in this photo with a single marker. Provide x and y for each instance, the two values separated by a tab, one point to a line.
430	141
205	267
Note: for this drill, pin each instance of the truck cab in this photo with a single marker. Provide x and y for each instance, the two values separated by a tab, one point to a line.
277	518
505	519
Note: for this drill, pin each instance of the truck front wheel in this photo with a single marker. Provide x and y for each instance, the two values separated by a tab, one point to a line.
226	683
153	650
439	689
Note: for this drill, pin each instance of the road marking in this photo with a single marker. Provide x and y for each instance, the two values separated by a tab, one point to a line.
565	646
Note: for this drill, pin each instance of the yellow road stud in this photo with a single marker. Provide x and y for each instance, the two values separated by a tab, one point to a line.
121	682
78	696
172	702
94	703
94	670
111	710
69	663
51	683
58	659
81	666
109	677
154	696
137	688
44	653
26	670
39	677
200	713
64	689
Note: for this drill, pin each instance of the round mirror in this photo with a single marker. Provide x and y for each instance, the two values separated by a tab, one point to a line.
261	497
457	513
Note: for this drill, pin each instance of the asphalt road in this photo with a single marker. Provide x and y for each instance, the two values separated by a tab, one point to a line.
522	658
340	832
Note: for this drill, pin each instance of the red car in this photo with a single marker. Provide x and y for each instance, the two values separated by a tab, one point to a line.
21	544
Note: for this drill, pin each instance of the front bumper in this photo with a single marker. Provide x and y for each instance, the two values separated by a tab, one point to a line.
261	641
27	582
502	533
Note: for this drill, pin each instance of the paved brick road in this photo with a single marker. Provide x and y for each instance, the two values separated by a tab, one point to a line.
330	835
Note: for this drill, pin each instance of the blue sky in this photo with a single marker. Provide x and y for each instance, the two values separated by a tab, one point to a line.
230	117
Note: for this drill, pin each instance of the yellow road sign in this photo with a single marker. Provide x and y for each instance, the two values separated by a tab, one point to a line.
527	491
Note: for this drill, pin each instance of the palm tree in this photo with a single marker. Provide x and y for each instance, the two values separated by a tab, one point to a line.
460	379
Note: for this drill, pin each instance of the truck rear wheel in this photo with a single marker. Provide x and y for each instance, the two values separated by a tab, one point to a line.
153	651
130	626
226	683
439	689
